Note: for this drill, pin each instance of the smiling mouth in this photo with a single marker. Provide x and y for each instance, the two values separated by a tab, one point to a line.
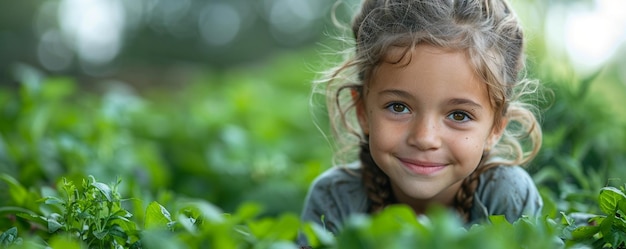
422	168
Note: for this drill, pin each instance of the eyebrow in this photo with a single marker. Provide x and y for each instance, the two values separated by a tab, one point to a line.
462	101
454	101
396	92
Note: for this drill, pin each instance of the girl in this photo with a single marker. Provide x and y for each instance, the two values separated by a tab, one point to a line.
432	93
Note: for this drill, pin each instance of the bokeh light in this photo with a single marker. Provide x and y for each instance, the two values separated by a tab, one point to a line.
593	34
95	28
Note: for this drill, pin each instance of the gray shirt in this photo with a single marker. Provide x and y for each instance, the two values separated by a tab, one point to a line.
338	193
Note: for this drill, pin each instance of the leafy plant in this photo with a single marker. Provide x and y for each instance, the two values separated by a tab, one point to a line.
583	144
205	140
607	230
9	238
93	214
398	227
214	164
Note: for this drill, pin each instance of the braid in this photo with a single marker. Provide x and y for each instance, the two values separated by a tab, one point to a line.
464	199
465	196
488	30
379	192
375	180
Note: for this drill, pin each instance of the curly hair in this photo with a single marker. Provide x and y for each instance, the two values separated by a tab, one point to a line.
487	30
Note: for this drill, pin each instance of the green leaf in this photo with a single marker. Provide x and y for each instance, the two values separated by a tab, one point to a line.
585	232
207	210
52	200
317	234
187	223
622	206
498	220
157	216
609	198
287	227
117	231
163	240
122	214
283	228
8	237
400	213
248	211
104	189
123	224
62	241
22	212
621	238
566	220
16	190
620	223
53	225
101	234
606	228
260	228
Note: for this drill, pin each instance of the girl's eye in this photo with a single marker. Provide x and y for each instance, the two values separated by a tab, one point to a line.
398	108
459	116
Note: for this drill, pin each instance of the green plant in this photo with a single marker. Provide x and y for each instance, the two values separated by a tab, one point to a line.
93	214
583	144
9	238
193	160
218	138
398	227
607	230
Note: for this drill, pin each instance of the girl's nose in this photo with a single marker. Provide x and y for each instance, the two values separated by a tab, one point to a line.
424	134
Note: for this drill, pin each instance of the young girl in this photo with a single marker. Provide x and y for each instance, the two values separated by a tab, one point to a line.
432	93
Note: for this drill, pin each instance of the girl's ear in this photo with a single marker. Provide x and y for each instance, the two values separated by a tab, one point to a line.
496	133
361	113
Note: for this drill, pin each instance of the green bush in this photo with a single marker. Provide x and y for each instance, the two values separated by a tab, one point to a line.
231	137
92	216
225	161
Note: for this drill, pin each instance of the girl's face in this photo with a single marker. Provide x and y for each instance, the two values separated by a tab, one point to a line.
429	119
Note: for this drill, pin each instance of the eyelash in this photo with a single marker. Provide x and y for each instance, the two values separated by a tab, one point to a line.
391	106
467	116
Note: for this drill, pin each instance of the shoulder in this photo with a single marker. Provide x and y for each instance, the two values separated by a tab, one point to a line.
506	181
512	177
333	196
509	191
339	181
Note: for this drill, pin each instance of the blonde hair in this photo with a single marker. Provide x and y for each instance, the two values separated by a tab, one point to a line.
487	30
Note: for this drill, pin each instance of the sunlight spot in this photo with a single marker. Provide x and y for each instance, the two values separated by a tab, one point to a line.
593	36
219	23
95	27
52	51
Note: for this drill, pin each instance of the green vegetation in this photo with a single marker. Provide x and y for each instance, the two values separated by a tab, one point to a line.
213	145
93	217
224	161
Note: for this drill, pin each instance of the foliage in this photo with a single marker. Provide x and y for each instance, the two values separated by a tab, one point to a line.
398	227
583	143
209	132
92	217
224	161
9	238
91	214
604	231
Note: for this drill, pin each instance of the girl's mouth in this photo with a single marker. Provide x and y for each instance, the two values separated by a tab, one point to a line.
422	167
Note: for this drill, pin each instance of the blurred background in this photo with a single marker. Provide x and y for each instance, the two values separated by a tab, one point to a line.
211	99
